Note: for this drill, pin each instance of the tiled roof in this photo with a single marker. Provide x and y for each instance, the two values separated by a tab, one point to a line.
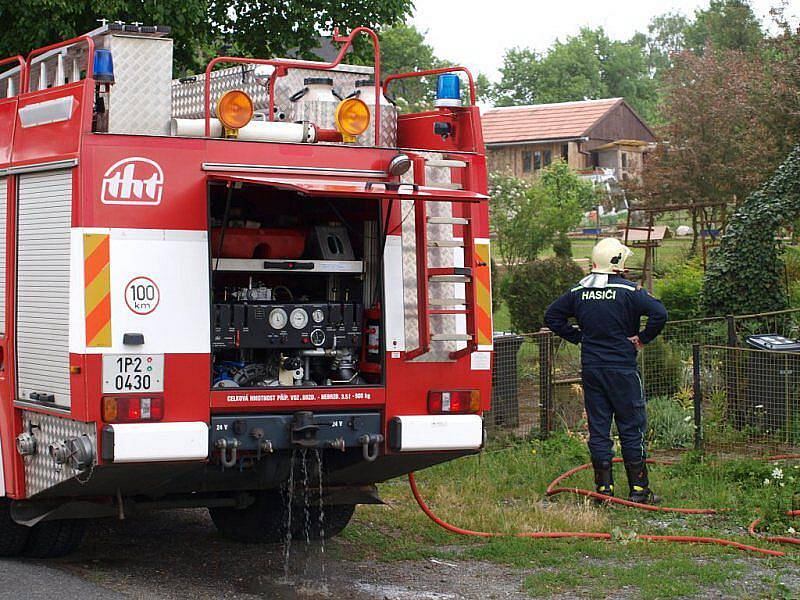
565	120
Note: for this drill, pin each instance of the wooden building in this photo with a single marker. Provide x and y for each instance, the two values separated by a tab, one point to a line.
590	135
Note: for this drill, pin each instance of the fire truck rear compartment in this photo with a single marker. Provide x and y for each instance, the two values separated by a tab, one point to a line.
293	280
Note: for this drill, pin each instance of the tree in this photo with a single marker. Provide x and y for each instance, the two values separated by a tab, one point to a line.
519	78
666	37
527	217
269	28
588	65
199	27
25	27
403	49
746	272
721	127
725	25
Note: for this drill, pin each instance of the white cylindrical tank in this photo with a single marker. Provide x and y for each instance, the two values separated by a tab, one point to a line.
365	90
316	102
255	131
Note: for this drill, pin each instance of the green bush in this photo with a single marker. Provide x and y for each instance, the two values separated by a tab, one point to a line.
680	290
669	423
562	246
530	288
794	294
662	369
791	259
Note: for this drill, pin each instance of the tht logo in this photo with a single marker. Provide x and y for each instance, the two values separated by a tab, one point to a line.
133	180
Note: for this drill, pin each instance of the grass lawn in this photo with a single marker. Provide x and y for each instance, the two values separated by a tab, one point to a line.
672	251
503	491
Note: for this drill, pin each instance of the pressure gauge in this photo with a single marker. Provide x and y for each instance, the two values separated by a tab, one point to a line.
298	318
278	318
317	337
318	316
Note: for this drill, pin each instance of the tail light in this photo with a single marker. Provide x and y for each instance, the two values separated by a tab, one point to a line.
456	401
132	409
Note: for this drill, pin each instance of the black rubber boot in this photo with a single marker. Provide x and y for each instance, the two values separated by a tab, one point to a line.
639	483
603	477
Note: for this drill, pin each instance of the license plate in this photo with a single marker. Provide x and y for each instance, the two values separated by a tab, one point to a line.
124	373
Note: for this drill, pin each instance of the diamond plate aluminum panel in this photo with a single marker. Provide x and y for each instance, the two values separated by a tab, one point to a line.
140	101
388	137
188	93
41	472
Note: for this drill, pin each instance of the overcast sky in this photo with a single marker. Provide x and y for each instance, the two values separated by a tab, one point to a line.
475	33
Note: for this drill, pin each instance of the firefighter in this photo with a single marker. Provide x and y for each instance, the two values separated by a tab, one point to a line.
608	309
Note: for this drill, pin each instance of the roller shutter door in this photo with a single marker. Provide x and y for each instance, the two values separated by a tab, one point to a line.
44	217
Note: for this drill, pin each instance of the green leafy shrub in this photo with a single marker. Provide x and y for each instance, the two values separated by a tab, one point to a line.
669	423
791	259
562	246
662	369
680	290
748	251
530	288
794	294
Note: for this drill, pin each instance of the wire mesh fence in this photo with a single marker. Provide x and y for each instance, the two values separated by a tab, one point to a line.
749	400
537	385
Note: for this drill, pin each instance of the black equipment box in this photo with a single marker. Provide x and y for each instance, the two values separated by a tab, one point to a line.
274	325
773	342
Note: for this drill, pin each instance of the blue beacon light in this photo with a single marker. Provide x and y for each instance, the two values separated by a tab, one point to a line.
103	66
448	90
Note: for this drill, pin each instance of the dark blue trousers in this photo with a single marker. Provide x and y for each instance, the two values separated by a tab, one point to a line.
615	394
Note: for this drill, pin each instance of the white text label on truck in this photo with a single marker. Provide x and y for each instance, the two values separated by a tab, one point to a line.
133	373
133	181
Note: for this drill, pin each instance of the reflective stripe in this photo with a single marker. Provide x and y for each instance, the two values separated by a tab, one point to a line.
641	386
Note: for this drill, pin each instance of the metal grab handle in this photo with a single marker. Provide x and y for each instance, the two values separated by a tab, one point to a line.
297	95
23	70
472	93
89	60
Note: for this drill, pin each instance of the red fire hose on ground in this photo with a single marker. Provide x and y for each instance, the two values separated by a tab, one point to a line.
554	489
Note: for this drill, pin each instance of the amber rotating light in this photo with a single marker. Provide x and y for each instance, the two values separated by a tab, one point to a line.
234	110
352	118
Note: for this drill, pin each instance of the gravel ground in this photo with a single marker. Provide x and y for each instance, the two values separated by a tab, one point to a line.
179	555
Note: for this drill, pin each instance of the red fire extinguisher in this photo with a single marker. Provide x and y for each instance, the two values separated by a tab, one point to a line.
371	348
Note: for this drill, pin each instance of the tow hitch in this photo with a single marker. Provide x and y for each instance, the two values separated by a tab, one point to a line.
304	430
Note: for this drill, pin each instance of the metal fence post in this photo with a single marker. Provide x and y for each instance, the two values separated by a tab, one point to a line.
733	339
698	397
545	381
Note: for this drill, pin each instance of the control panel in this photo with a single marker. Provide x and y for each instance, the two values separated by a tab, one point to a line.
274	325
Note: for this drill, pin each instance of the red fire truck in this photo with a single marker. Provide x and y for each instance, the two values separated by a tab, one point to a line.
206	282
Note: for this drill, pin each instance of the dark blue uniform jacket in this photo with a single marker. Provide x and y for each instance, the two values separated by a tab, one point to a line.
607	317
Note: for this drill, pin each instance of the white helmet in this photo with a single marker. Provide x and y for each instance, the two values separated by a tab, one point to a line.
609	256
